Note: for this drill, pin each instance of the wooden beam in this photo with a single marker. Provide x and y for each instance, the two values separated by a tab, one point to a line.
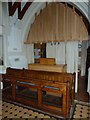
17	5
22	12
12	7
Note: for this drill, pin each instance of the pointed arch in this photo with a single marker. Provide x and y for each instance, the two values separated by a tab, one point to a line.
57	22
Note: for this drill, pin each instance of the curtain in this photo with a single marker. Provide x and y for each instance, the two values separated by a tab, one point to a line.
57	51
83	58
72	56
60	53
50	50
72	60
30	53
64	53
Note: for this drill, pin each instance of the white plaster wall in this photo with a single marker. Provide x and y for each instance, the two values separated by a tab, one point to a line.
0	13
0	47
0	18
5	32
0	30
15	40
14	48
84	7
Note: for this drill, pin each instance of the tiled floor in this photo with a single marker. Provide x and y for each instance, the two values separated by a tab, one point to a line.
14	111
0	109
82	111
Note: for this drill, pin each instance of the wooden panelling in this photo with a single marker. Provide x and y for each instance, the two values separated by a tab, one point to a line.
21	89
57	22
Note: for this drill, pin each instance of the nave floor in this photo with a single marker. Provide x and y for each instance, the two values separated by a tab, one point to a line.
9	110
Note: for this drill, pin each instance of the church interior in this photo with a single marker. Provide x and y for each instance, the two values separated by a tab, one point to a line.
44	58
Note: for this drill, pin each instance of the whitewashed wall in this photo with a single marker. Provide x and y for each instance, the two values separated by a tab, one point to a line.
0	47
14	48
0	13
14	35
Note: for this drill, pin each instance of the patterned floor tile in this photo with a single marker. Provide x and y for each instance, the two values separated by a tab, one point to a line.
14	111
82	111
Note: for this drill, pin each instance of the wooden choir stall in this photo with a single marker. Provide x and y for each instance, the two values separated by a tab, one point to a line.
48	64
48	91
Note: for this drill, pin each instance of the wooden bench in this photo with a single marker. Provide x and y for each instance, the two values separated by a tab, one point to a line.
48	91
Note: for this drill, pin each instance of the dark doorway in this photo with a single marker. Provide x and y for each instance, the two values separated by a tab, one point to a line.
39	51
87	62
